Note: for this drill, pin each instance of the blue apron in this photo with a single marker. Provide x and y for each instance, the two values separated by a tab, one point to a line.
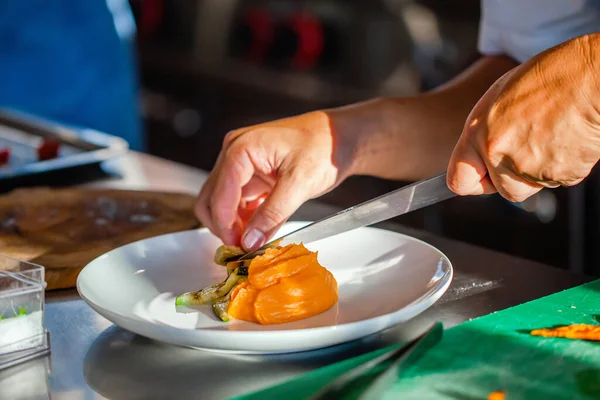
71	61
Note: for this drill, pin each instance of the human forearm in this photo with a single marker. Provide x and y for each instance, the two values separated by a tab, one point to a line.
412	138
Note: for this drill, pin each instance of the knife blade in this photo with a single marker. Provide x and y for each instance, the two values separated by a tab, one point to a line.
400	201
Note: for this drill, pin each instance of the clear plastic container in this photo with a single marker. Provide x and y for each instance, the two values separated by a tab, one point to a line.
22	332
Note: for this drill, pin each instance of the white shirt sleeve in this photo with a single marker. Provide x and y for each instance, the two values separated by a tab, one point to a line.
524	28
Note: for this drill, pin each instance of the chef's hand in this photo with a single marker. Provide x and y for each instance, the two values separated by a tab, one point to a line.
265	172
537	126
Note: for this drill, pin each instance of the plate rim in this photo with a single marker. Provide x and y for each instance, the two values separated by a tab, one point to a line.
434	293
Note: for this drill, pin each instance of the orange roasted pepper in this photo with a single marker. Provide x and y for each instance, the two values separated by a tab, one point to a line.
285	284
576	331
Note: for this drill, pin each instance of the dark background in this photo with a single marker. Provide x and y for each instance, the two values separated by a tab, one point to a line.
208	67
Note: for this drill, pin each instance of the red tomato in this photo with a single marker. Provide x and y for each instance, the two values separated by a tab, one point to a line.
48	149
4	155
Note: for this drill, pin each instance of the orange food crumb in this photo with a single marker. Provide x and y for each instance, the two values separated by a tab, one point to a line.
496	396
576	331
285	284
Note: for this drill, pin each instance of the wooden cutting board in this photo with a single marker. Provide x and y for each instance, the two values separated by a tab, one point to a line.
65	229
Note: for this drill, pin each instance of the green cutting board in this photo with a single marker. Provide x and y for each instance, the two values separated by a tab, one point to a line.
491	353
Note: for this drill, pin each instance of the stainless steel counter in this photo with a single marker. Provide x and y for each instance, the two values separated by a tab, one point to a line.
93	359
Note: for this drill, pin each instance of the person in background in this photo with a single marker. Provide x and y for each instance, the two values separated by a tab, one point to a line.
72	62
525	116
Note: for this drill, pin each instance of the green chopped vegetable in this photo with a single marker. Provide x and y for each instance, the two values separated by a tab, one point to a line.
22	311
224	254
220	307
221	304
210	293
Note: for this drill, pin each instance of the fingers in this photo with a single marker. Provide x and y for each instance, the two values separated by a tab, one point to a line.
467	172
287	196
249	185
471	170
247	209
234	173
253	195
202	206
256	188
511	186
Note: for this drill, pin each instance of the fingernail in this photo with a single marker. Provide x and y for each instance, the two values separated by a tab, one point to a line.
253	239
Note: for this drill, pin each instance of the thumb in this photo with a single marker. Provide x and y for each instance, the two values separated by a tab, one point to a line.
467	172
287	196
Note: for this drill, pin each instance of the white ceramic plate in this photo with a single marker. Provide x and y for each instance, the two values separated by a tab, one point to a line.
384	278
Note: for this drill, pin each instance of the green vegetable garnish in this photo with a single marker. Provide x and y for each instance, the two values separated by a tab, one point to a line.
210	293
22	311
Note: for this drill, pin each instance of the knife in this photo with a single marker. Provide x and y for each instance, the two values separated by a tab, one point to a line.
400	201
